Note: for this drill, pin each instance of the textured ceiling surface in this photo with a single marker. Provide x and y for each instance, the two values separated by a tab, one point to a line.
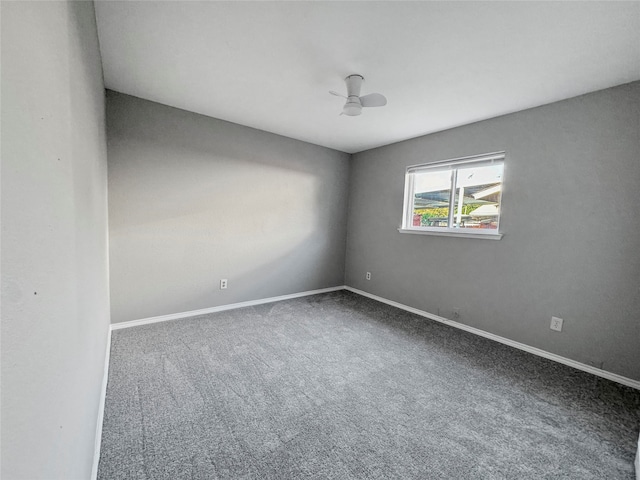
269	65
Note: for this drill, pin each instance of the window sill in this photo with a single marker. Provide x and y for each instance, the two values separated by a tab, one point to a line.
450	233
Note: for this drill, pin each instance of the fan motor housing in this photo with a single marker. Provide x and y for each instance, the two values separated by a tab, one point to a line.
354	83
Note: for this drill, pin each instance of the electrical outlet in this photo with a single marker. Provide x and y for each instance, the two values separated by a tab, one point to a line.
456	313
368	276
556	324
223	284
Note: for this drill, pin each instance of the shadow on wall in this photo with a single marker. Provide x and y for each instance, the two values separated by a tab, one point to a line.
194	199
256	282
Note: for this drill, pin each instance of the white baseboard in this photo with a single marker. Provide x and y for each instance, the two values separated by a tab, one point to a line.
521	346
103	395
637	461
221	308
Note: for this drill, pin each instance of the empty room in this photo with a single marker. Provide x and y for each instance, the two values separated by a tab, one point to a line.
317	239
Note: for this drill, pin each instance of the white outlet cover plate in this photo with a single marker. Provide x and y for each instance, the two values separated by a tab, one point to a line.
556	324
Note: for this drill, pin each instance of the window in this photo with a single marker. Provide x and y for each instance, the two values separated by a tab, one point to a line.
455	197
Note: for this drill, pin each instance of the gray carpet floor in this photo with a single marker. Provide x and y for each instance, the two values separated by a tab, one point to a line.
338	386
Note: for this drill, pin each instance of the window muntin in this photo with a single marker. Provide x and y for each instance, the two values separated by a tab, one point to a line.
461	195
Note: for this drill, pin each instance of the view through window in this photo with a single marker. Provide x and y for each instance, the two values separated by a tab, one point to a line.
455	195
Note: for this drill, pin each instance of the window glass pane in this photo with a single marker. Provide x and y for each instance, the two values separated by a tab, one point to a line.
477	201
432	191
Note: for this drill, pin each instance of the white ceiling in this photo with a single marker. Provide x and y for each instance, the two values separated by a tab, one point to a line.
269	64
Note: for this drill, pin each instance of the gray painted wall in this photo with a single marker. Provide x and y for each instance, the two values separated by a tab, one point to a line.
55	303
570	218
193	199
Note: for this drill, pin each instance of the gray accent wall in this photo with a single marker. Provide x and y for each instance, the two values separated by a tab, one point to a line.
55	300
570	215
193	200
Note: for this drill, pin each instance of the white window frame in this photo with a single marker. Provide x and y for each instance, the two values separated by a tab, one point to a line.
496	158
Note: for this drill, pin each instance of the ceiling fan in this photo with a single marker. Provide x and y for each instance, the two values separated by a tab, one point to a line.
355	102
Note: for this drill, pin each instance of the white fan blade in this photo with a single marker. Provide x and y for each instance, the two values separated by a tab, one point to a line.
336	94
373	100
